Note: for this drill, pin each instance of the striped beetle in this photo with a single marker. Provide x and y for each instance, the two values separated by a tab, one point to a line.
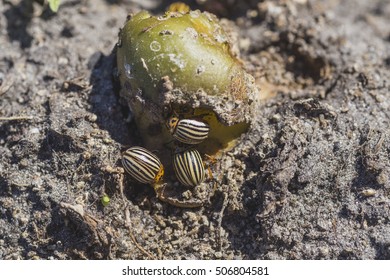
188	131
142	165
189	168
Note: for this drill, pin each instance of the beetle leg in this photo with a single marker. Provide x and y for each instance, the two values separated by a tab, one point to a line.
212	160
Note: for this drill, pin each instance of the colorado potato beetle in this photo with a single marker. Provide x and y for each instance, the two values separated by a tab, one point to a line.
189	168
142	165
188	131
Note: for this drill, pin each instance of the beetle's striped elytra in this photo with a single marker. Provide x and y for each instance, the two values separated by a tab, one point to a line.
142	165
188	131
189	168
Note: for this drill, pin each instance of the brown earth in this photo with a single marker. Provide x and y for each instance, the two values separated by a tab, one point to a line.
310	180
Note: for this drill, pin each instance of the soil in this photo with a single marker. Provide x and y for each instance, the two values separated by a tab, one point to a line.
310	180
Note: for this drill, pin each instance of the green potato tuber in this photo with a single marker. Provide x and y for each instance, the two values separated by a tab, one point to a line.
182	62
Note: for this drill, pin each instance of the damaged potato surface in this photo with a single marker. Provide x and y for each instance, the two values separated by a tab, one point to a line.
182	63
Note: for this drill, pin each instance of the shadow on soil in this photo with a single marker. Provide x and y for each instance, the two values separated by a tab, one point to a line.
104	99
